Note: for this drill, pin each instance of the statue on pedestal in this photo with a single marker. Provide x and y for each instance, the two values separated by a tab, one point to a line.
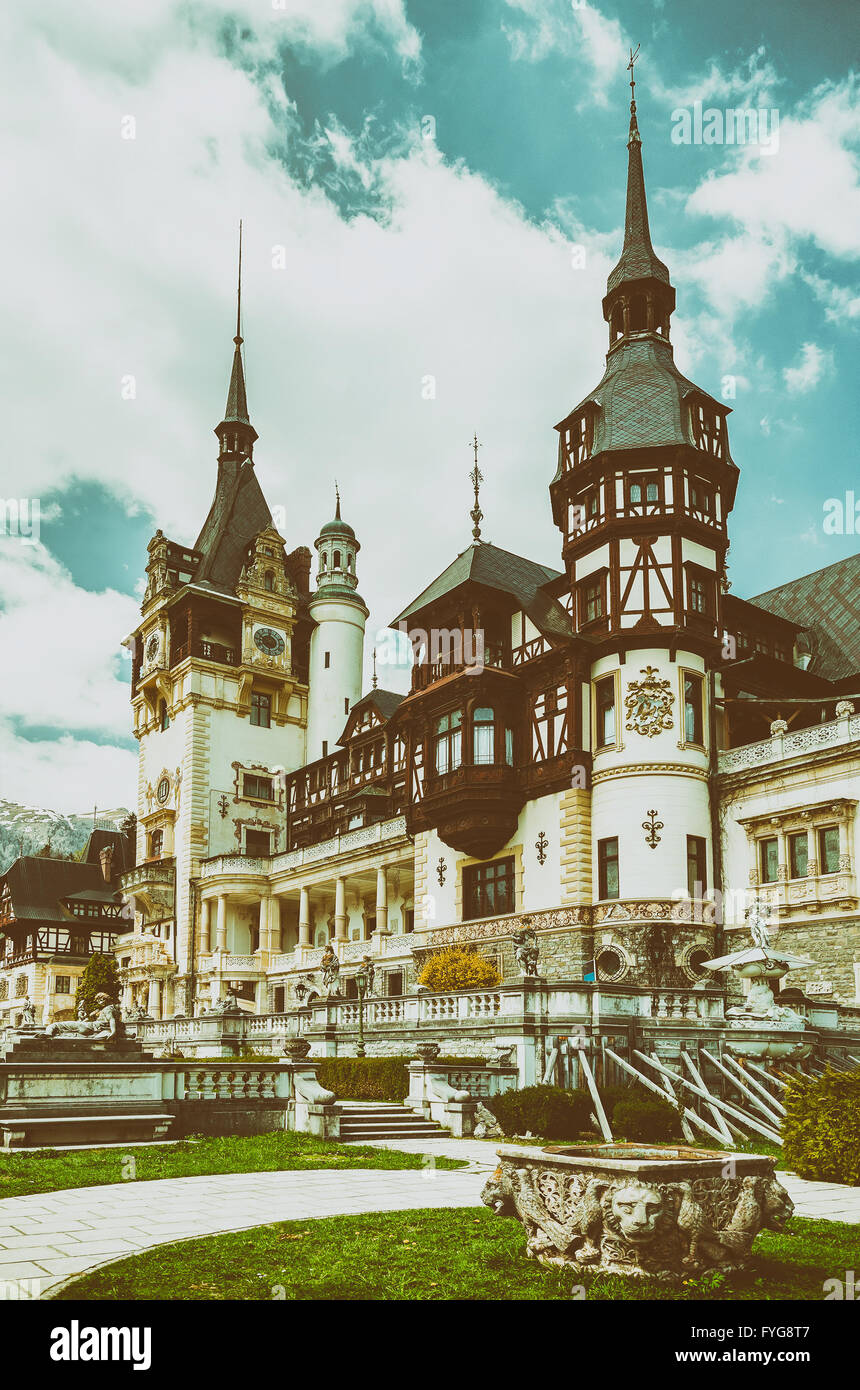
526	949
103	1024
228	1005
330	966
28	1014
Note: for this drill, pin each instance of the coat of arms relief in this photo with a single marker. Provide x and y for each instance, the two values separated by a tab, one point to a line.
649	704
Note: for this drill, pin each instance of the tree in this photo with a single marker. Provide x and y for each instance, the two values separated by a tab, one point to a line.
100	977
458	967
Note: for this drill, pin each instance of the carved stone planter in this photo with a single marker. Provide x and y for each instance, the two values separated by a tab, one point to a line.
664	1214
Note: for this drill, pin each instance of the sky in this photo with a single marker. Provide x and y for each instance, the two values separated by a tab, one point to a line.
432	194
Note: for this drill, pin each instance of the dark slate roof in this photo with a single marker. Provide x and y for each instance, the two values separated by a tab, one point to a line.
523	579
385	701
239	512
641	399
38	886
237	401
827	604
639	260
123	850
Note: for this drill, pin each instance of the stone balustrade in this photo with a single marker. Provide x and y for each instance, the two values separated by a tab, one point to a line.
842	731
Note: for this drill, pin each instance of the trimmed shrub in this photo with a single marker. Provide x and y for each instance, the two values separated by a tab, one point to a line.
100	976
458	967
821	1129
639	1118
547	1111
365	1078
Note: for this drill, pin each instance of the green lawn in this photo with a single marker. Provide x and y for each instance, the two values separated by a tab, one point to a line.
438	1255
54	1169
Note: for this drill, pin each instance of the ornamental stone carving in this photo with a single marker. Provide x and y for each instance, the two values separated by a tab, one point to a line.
660	1214
649	704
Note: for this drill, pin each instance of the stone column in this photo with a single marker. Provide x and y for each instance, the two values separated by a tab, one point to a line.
304	917
204	926
264	937
274	924
153	998
381	902
221	923
340	909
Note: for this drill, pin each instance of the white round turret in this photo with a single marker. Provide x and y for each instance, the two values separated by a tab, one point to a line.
337	641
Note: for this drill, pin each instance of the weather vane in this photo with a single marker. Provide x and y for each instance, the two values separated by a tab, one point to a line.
630	69
477	478
374	668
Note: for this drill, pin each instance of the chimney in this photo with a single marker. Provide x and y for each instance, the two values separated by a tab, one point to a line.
106	860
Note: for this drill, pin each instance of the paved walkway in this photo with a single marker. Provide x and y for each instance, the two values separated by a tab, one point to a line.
50	1238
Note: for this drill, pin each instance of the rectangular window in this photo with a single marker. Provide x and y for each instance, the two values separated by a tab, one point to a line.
828	849
697	866
483	736
257	844
448	742
509	747
327	660
643	487
346	704
261	709
394	983
257	788
63	984
156	844
604	695
488	889
591	600
607	867
798	855
699	594
694	720
768	852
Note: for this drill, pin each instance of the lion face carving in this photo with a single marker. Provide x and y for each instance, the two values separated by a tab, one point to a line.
636	1211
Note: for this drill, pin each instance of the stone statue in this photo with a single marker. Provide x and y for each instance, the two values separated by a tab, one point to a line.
758	922
228	1005
81	1011
28	1014
330	966
136	1013
103	1024
526	950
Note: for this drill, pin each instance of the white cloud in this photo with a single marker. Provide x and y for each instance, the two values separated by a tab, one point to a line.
595	42
814	363
753	82
841	305
66	774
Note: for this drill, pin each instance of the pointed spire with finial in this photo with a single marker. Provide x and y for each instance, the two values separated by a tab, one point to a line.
374	668
477	478
237	441
337	501
638	258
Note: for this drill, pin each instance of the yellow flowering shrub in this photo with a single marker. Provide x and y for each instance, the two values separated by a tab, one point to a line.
458	967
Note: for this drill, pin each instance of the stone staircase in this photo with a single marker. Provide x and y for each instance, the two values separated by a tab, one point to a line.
365	1121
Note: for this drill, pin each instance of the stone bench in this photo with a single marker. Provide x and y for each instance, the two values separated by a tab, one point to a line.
85	1130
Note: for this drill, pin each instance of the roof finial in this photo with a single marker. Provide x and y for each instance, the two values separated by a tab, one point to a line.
374	668
238	338
337	496
634	125
477	478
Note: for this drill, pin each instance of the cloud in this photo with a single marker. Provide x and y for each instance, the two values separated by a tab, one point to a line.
595	42
753	82
66	774
841	305
814	363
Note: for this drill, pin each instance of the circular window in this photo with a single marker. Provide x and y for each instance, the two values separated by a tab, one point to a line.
162	791
695	962
611	965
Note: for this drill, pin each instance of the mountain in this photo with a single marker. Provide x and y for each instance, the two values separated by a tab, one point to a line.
36	827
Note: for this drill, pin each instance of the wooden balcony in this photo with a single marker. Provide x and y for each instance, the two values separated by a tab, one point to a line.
474	808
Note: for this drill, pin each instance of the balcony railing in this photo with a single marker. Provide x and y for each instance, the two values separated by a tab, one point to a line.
835	733
428	672
209	651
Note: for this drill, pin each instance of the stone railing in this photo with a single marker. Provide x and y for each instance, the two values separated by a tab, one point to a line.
365	837
678	1005
154	871
233	864
835	733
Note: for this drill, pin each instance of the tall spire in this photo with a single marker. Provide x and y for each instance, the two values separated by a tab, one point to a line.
639	274
235	441
476	477
337	496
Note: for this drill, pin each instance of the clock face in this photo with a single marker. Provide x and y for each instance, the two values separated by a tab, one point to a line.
152	648
269	641
162	791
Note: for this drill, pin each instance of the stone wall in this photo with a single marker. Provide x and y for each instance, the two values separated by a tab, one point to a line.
834	946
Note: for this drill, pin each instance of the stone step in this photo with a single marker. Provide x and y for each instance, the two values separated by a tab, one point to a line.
348	1136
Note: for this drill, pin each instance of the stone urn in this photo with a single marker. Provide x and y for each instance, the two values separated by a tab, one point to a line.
664	1214
296	1049
428	1052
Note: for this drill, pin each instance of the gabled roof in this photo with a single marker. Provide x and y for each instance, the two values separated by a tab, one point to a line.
522	579
39	886
238	513
385	702
827	605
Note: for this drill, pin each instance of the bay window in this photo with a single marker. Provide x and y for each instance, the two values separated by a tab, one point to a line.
448	742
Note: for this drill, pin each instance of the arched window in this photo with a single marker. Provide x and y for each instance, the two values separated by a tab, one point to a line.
483	736
163	716
350	560
269	581
336	560
324	560
448	741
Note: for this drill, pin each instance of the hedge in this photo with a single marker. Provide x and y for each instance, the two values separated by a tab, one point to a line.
821	1129
641	1119
547	1111
365	1078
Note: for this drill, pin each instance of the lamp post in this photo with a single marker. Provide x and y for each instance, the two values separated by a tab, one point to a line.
364	985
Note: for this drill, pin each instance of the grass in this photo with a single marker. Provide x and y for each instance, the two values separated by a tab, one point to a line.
52	1170
440	1255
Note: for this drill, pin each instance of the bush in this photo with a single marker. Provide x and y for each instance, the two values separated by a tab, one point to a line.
365	1078
458	967
547	1111
638	1118
821	1129
100	976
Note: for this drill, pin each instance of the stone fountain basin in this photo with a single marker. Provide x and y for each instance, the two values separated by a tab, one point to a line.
639	1210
